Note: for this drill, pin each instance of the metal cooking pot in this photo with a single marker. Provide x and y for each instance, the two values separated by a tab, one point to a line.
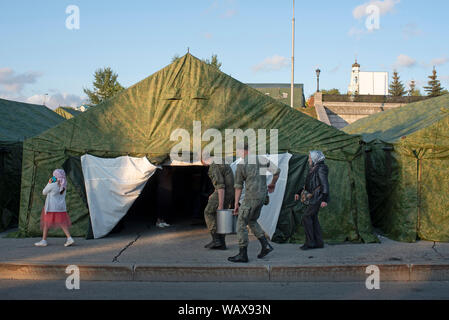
226	222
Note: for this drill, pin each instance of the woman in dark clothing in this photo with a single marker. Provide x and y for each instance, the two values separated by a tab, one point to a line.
316	197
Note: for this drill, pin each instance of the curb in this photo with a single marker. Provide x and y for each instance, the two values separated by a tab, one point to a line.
151	273
35	271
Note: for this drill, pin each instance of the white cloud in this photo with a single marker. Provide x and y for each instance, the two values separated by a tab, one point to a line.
55	100
274	63
385	6
225	9
404	61
12	82
439	61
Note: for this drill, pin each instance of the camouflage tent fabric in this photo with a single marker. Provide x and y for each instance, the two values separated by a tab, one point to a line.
18	121
67	112
407	165
139	121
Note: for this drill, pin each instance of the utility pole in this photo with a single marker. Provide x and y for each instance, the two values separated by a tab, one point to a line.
293	57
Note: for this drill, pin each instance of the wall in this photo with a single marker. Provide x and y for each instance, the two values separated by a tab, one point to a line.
340	111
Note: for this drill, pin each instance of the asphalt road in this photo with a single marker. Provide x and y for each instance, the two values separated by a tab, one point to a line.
93	290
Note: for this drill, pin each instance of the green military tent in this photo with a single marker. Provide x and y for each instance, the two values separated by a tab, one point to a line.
18	121
139	121
67	112
407	169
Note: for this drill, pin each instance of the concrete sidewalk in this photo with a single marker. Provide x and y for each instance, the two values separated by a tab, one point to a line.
177	254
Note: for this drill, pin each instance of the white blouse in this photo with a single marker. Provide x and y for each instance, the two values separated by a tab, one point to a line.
55	201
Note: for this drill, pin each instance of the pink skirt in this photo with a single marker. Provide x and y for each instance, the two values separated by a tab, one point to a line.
54	220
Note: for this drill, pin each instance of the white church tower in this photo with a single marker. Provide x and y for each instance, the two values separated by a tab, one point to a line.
354	87
368	83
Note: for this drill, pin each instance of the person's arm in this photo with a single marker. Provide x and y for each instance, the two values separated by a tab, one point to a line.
276	172
47	188
220	185
238	186
221	194
238	194
323	172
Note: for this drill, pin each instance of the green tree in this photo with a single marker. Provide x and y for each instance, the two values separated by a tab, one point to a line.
397	88
413	92
331	92
105	86
434	88
175	57
213	62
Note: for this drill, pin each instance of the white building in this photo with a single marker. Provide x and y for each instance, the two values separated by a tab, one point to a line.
368	83
82	108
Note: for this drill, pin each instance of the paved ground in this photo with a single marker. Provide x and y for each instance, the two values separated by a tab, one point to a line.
184	245
93	290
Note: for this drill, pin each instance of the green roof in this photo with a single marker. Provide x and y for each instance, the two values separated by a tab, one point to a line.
402	123
19	121
144	116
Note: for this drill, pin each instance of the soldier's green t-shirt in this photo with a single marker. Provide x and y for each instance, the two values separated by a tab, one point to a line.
252	172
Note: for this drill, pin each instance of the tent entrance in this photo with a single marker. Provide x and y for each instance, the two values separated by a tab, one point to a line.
176	194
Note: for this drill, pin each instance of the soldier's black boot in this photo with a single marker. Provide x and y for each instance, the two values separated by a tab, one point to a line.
219	243
242	257
266	247
214	239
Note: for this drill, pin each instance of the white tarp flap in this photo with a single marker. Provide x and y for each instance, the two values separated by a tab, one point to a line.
270	214
112	186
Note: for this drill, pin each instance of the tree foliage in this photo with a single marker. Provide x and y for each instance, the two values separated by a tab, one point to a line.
105	86
331	92
214	62
413	91
434	88
397	88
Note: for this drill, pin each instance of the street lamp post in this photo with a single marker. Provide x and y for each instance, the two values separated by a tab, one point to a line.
293	59
318	71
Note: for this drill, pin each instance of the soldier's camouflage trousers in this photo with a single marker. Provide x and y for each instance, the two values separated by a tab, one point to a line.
249	212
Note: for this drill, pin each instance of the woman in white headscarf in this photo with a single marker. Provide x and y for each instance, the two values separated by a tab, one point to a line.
315	195
54	214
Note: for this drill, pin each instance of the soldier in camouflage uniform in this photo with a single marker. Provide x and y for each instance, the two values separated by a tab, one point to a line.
222	178
256	193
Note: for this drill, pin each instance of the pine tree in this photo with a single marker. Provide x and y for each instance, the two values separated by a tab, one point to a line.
413	92
105	86
434	88
213	62
397	88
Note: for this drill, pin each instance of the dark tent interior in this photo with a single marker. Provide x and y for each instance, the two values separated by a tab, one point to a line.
176	194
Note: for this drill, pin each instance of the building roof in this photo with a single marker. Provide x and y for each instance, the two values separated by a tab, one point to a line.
356	64
19	120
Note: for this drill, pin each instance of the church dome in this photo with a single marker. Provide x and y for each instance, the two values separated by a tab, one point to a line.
356	65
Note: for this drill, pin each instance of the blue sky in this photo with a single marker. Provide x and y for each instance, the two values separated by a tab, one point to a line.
39	55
